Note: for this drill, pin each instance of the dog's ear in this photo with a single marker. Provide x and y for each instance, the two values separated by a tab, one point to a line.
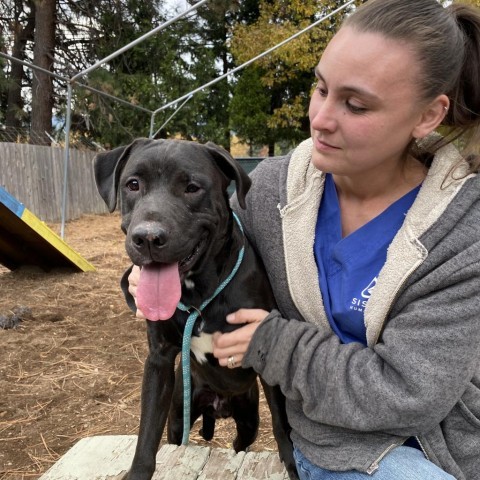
107	167
232	169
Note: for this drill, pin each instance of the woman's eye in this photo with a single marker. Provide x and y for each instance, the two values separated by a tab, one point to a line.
133	185
355	108
192	188
321	90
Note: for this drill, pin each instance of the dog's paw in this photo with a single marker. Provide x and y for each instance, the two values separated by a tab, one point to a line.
206	434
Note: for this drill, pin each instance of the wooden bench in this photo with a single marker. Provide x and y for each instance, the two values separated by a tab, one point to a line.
109	458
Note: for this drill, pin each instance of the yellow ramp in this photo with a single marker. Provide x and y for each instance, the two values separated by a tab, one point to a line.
26	240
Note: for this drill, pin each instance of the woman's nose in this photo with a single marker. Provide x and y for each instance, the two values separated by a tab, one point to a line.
322	115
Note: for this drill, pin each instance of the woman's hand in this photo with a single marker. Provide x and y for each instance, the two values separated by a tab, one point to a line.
133	279
230	348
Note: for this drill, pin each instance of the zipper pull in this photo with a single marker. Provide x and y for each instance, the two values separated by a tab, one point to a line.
373	468
376	464
281	210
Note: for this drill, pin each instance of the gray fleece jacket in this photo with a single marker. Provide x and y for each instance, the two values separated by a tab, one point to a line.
349	405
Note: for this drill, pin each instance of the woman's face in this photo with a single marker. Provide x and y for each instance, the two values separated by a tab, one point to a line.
365	109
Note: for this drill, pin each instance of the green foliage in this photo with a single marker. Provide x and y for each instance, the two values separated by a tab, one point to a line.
186	55
135	76
250	108
148	75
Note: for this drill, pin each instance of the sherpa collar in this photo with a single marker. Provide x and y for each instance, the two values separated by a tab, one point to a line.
299	216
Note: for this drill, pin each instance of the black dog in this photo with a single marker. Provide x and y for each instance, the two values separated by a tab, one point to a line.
180	229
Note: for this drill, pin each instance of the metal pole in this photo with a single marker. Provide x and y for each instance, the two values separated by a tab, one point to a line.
66	158
66	80
137	41
34	67
152	124
171	116
116	99
265	53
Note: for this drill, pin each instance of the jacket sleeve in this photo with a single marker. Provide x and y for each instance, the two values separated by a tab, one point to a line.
405	384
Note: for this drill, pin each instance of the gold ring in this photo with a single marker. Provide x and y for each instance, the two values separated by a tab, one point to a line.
231	362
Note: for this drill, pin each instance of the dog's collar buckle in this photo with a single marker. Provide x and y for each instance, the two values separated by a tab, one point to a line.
190	309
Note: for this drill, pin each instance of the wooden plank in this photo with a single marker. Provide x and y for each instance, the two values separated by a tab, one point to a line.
37	158
57	161
222	464
262	465
180	462
95	458
202	463
110	457
49	200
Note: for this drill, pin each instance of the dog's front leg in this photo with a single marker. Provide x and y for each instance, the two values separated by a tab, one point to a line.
281	428
246	416
157	389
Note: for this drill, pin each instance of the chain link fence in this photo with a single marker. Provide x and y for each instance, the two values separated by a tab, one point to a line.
25	135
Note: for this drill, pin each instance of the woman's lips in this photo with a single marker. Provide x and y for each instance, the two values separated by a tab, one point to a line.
323	146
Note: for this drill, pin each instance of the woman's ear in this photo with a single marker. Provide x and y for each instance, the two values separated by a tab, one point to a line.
432	116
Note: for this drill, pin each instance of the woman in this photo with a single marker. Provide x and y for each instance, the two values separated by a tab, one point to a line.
370	235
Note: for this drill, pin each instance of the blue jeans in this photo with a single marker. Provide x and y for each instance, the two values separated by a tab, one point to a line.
402	463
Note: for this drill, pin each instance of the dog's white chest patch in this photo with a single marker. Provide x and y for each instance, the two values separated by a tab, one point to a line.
202	345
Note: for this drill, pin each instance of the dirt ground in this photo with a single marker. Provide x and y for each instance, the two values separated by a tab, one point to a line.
73	366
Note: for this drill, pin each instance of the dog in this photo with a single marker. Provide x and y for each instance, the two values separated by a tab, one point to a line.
181	231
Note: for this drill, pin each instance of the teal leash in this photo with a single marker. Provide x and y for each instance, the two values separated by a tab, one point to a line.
187	338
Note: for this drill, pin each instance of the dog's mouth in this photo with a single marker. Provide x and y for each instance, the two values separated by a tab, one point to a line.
188	262
159	288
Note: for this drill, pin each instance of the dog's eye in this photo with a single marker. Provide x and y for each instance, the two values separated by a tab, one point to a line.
133	185
192	188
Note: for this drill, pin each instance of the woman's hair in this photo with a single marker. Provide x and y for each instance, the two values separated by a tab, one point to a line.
446	42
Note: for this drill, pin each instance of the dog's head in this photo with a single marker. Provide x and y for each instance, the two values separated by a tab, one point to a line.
173	198
108	166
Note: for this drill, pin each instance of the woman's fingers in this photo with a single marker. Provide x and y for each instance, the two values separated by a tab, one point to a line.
229	348
247	315
133	279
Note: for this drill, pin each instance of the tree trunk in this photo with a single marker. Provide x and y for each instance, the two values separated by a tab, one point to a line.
271	148
42	84
22	34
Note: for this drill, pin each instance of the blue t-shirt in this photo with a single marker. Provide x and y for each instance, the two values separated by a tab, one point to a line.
348	267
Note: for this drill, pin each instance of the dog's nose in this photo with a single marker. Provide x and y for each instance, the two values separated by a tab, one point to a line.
149	237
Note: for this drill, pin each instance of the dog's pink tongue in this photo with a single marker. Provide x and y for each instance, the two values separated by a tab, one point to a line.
159	290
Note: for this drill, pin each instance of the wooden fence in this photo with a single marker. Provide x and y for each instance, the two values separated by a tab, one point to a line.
34	175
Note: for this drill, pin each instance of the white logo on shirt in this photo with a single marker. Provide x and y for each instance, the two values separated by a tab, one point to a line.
358	304
367	291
